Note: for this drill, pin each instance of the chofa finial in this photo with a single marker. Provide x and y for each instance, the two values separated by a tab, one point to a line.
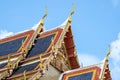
109	51
72	12
46	13
41	66
9	62
24	73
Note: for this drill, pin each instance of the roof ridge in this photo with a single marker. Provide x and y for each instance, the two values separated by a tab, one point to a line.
17	33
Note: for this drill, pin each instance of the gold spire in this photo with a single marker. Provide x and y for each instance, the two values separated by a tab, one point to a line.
9	62
46	13
52	41
25	78
53	45
41	63
23	46
72	12
105	64
41	59
106	58
24	50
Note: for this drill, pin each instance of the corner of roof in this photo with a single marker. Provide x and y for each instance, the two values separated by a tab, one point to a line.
14	34
63	24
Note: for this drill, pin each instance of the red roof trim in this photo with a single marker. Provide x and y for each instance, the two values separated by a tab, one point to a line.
70	49
95	70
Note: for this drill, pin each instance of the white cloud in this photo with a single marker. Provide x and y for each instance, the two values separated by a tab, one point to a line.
115	2
115	57
4	33
87	59
116	73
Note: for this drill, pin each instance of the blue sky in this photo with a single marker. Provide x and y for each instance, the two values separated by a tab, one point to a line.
96	24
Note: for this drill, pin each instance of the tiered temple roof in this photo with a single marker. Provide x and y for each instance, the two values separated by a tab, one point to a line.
36	54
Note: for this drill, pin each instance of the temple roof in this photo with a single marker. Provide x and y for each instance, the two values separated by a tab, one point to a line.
98	71
12	46
38	54
90	73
